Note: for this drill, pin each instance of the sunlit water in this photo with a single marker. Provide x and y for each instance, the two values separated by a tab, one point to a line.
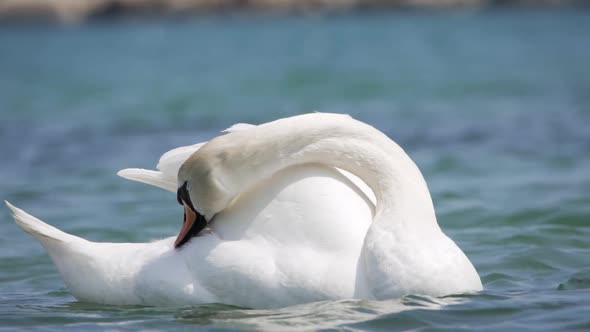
494	108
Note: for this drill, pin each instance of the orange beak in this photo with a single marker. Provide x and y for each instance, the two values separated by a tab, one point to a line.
189	219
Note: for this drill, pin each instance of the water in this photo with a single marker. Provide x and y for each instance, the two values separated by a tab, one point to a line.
493	106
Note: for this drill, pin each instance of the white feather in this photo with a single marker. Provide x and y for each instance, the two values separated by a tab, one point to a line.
296	232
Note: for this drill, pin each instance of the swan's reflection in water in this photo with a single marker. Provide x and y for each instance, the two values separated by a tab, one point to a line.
409	312
342	314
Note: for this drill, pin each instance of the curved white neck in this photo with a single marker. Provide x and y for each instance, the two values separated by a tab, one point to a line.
337	141
404	250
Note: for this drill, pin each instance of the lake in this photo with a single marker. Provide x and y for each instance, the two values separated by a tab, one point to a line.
494	107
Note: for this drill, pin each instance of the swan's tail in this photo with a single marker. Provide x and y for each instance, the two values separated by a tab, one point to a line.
94	272
44	233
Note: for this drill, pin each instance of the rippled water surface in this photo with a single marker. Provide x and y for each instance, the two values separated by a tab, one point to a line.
494	107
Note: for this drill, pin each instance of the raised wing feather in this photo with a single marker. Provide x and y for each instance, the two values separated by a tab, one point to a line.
165	176
169	164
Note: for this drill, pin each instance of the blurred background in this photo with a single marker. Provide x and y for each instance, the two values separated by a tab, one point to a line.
490	98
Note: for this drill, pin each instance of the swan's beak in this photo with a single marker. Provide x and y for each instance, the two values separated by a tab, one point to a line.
187	224
193	223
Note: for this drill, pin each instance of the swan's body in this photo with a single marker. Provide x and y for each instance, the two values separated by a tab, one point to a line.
289	227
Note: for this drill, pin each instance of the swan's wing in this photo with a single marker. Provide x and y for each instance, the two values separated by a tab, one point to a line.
170	162
147	176
165	176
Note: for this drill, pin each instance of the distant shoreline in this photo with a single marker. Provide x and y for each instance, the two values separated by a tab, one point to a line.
81	10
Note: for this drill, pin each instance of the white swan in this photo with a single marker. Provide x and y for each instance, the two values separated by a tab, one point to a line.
285	226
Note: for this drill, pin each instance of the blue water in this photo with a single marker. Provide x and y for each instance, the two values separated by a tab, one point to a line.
494	107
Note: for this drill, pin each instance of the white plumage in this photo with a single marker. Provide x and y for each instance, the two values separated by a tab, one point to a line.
295	228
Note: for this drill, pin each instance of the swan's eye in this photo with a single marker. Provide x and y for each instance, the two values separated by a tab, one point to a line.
182	194
183	197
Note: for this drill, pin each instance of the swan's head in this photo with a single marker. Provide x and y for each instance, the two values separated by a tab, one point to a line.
200	192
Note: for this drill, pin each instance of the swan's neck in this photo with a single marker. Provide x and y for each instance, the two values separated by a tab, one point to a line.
403	200
404	250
